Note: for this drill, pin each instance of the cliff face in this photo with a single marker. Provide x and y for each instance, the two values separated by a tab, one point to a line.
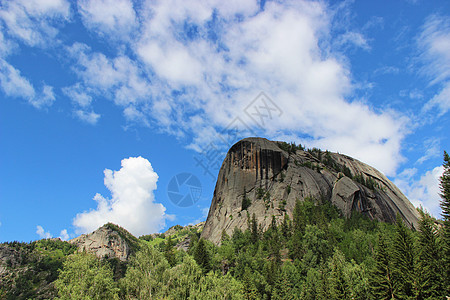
271	179
108	241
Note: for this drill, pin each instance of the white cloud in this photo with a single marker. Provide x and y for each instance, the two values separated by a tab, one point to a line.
42	233
34	21
196	67
116	18
432	150
63	235
132	203
424	191
13	84
78	95
434	42
353	38
89	117
46	98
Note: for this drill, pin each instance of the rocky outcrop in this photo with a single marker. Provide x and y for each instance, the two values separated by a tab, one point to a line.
109	241
271	176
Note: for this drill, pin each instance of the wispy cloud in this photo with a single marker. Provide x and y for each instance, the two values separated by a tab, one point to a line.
432	149
434	42
42	233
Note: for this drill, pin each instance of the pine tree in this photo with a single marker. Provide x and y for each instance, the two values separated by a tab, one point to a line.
169	252
249	289
246	202
429	283
201	256
339	286
445	231
403	261
285	226
381	280
254	229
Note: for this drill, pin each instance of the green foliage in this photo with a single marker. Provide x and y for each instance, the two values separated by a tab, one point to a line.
381	278
445	232
316	255
429	257
86	277
403	266
368	182
260	193
202	256
131	240
246	202
213	286
290	148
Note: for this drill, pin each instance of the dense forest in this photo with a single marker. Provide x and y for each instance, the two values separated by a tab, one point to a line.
316	254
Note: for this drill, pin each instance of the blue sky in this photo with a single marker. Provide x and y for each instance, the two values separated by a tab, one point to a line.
103	102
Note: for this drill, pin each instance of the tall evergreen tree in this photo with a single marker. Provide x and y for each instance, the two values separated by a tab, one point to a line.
429	281
249	289
445	231
254	229
403	261
169	251
382	280
201	256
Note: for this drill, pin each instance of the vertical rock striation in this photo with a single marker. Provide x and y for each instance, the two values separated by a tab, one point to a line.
272	179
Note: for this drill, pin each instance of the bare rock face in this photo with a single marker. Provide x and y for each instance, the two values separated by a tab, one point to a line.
271	177
108	241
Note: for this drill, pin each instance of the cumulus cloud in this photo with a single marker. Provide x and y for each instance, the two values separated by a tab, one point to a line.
63	235
115	18
196	67
434	42
423	191
132	203
42	233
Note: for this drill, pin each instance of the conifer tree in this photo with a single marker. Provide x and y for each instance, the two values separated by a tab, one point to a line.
169	252
445	231
429	283
246	202
249	289
254	229
382	280
201	256
285	226
403	261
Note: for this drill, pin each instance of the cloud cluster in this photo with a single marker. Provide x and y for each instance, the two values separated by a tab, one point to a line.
35	24
194	68
434	42
132	203
424	191
40	231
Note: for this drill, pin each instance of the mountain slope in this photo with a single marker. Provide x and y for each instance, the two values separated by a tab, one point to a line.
266	178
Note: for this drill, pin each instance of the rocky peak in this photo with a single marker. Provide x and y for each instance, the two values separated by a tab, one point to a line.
270	176
110	241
